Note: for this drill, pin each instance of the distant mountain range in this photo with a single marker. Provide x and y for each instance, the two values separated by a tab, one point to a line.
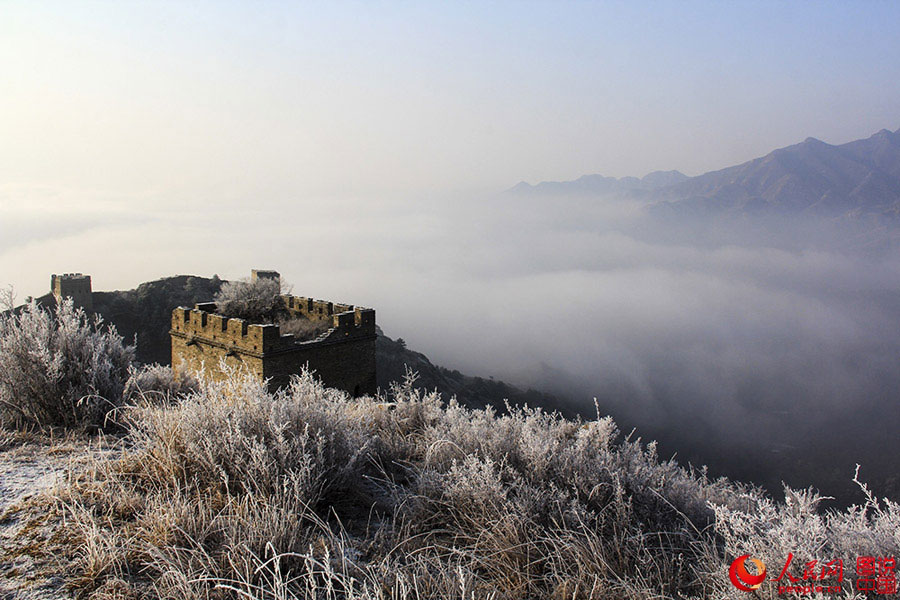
600	185
856	179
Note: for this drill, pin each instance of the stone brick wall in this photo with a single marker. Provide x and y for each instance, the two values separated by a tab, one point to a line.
346	365
343	357
75	286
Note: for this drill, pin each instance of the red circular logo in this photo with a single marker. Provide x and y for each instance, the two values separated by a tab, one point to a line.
743	579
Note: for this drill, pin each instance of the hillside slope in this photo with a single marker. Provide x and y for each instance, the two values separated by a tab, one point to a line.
145	313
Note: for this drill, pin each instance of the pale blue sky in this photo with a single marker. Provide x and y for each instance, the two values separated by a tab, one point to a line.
347	99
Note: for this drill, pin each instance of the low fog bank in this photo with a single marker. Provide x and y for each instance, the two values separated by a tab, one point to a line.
768	354
765	347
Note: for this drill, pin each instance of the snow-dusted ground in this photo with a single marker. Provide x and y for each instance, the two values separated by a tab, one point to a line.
26	469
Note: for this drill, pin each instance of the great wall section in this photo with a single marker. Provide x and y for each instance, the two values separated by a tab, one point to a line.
343	356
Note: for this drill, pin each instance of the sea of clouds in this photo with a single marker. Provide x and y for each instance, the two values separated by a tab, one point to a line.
770	357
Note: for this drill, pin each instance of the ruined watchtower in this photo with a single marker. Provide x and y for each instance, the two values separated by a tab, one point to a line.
343	356
257	274
75	286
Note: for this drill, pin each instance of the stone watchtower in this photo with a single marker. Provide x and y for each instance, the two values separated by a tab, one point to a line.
75	286
257	274
343	356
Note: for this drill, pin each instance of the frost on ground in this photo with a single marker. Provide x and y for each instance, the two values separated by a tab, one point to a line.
30	466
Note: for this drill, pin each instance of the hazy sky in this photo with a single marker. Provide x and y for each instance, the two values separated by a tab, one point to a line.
279	100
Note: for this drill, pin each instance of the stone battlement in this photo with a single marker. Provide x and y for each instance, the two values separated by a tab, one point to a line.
73	285
342	357
202	323
69	277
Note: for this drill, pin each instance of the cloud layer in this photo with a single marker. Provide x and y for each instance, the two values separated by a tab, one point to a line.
760	353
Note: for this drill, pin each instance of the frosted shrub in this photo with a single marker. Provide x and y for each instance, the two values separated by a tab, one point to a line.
59	367
303	329
157	383
257	301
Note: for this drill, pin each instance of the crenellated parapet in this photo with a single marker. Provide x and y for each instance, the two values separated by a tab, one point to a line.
361	321
202	323
76	286
343	356
198	324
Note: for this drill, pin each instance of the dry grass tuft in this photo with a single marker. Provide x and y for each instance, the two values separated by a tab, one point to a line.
303	328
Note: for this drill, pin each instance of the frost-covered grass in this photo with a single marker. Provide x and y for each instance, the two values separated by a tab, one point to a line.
773	530
236	493
302	328
157	384
7	439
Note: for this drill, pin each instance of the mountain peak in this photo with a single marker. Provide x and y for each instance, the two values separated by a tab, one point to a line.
885	133
658	179
811	176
